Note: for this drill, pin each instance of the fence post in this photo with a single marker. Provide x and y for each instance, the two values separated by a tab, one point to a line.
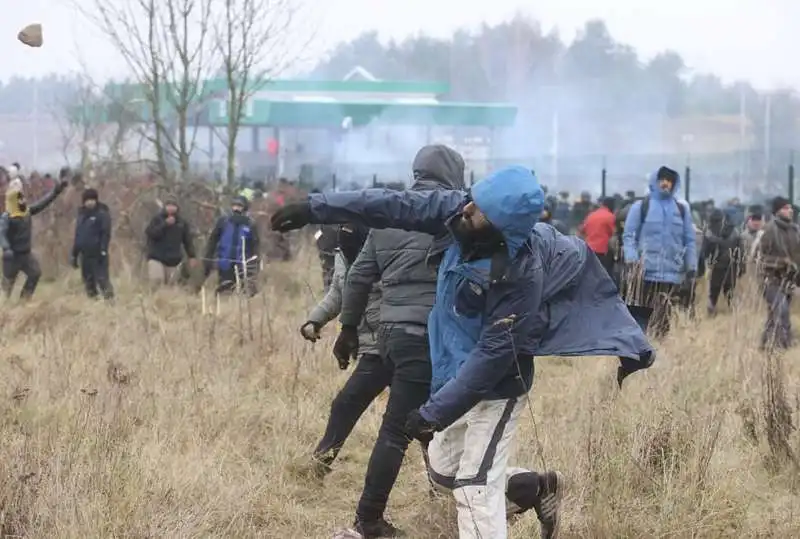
791	179
688	185
333	178
374	180
471	178
603	179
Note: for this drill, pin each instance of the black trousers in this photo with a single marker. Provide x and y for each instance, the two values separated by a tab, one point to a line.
369	378
229	279
721	281
25	263
660	297
406	351
95	276
607	260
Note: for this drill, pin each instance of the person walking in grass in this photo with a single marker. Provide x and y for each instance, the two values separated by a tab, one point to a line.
507	289
370	376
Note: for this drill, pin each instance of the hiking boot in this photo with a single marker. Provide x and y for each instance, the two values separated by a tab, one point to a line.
375	529
548	503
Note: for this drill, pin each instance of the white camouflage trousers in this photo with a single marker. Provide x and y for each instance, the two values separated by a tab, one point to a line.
470	458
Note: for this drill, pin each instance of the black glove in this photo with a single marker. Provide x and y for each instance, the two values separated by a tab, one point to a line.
8	254
629	366
73	261
60	186
310	331
346	346
418	428
291	217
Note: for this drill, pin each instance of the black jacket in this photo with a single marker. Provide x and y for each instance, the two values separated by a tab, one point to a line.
16	232
165	243
92	231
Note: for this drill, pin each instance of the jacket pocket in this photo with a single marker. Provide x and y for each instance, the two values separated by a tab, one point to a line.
470	298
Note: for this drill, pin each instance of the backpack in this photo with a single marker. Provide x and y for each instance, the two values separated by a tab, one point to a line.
646	206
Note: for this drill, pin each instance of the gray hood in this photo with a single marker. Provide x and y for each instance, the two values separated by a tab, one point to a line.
438	167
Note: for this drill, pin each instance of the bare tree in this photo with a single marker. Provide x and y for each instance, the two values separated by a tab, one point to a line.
94	125
168	48
255	42
76	118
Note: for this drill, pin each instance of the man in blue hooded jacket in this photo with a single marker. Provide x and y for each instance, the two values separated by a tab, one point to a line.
659	246
507	289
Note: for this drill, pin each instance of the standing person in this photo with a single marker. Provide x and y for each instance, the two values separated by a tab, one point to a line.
598	230
778	262
16	237
370	376
507	289
404	262
168	236
753	226
234	247
660	247
723	250
326	238
90	248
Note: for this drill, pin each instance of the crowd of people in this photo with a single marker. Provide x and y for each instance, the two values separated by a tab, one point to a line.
445	294
232	248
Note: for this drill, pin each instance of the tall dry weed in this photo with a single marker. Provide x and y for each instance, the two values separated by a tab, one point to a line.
148	418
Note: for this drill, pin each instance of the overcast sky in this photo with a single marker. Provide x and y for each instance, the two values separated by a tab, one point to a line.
737	39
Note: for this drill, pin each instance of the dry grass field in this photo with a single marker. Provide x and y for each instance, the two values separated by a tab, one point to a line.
149	419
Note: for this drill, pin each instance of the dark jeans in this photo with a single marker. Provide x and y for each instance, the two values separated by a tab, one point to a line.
94	272
21	263
407	353
778	327
369	378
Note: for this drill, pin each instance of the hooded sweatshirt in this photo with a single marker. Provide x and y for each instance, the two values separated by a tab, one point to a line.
540	293
404	262
665	242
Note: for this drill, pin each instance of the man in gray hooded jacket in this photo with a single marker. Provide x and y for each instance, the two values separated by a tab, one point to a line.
370	376
405	263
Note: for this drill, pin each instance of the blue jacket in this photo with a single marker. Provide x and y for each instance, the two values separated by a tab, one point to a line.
665	242
231	234
546	295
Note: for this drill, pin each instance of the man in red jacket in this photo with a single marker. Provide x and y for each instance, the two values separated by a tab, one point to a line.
598	229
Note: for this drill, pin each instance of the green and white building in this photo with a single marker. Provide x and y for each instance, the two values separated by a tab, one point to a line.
354	127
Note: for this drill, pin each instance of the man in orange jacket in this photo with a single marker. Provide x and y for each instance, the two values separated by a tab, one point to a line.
598	229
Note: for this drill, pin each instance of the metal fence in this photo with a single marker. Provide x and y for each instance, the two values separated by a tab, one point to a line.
744	175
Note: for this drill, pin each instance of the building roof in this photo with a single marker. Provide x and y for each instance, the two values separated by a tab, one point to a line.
328	104
327	114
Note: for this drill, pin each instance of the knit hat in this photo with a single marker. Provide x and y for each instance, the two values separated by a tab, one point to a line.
778	203
90	194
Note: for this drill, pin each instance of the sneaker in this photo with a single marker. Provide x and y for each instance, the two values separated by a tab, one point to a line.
375	529
548	503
